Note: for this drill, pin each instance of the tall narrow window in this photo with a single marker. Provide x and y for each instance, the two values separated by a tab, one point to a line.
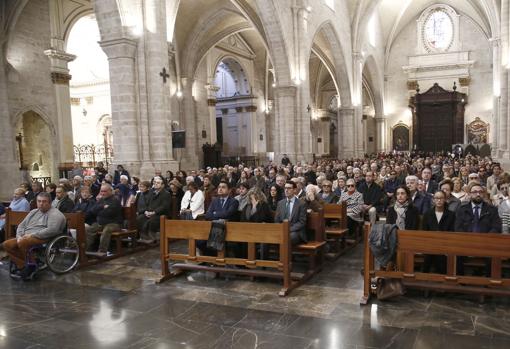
371	30
438	31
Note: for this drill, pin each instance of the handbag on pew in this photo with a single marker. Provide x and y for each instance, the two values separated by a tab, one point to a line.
389	288
217	235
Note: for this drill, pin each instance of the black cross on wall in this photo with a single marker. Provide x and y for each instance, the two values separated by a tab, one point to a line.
164	75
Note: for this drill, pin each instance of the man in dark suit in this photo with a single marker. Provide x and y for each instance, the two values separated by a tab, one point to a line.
422	201
478	217
294	211
158	205
223	206
431	186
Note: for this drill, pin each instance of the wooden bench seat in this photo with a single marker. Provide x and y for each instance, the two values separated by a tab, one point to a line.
415	242
249	233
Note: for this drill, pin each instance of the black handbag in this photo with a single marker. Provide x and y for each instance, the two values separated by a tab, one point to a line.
216	236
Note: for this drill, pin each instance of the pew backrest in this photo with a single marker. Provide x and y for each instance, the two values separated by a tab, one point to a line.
316	225
12	220
336	211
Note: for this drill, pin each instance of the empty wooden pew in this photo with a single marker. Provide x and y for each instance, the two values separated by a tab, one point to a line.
335	216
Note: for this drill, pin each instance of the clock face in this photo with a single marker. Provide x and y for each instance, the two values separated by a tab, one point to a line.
438	31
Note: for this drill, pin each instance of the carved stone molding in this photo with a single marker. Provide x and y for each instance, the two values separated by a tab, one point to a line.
412	85
464	82
211	102
251	108
224	111
60	78
239	109
61	55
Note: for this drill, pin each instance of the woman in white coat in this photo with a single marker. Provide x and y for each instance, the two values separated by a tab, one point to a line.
192	204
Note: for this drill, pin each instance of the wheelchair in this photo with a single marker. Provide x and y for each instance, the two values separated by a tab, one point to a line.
60	255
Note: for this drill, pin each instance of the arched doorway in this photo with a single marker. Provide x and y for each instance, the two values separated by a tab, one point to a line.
233	114
90	92
35	146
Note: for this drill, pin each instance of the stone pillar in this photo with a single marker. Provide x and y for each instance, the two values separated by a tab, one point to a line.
381	136
503	105
157	68
496	77
190	159
211	103
285	98
346	135
121	57
251	111
10	168
60	78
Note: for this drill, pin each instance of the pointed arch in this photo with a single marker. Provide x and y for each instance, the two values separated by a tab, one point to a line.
335	59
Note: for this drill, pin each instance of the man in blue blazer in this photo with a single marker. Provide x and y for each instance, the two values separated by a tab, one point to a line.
293	210
223	206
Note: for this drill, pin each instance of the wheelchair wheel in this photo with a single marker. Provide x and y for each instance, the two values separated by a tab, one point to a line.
62	254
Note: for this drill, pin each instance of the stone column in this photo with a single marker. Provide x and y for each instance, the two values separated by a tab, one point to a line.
251	111
211	103
381	133
503	105
496	76
60	78
346	135
10	168
285	99
121	58
189	157
157	68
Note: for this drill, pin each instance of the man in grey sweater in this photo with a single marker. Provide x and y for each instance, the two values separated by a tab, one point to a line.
38	227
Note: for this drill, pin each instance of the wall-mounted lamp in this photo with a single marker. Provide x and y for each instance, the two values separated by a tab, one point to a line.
179	94
308	108
84	112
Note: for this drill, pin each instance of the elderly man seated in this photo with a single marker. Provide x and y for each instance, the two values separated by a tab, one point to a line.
38	227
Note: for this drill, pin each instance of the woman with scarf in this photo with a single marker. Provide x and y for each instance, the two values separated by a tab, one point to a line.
403	213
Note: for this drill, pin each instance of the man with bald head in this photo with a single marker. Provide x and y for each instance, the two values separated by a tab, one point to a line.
108	212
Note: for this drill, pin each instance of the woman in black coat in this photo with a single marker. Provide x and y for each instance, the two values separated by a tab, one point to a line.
403	213
438	218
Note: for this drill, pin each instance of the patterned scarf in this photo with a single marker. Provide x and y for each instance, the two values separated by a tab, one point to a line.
401	209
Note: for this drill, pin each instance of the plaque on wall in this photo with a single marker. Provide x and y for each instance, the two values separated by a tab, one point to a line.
477	131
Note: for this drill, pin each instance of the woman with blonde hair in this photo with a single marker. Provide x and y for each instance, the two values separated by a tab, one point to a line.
257	209
458	191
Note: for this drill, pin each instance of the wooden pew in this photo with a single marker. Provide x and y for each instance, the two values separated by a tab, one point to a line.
12	220
336	231
314	247
128	234
250	233
414	242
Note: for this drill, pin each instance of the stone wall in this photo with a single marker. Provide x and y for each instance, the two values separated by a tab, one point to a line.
480	88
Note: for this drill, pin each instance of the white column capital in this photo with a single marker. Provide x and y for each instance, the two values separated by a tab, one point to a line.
119	48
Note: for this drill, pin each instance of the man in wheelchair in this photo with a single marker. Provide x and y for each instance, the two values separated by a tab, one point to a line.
38	227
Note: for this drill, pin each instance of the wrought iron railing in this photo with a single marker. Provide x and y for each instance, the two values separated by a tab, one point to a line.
89	154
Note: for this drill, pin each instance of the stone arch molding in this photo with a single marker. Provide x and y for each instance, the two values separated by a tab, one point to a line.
374	81
249	74
338	61
39	111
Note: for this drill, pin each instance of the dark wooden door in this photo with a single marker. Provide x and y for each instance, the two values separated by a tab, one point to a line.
438	119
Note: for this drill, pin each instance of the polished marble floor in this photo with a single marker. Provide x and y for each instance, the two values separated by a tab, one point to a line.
118	305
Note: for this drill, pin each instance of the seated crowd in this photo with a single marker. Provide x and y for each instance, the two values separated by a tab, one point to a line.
413	191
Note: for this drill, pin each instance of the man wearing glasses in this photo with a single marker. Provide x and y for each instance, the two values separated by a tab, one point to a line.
476	216
293	210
